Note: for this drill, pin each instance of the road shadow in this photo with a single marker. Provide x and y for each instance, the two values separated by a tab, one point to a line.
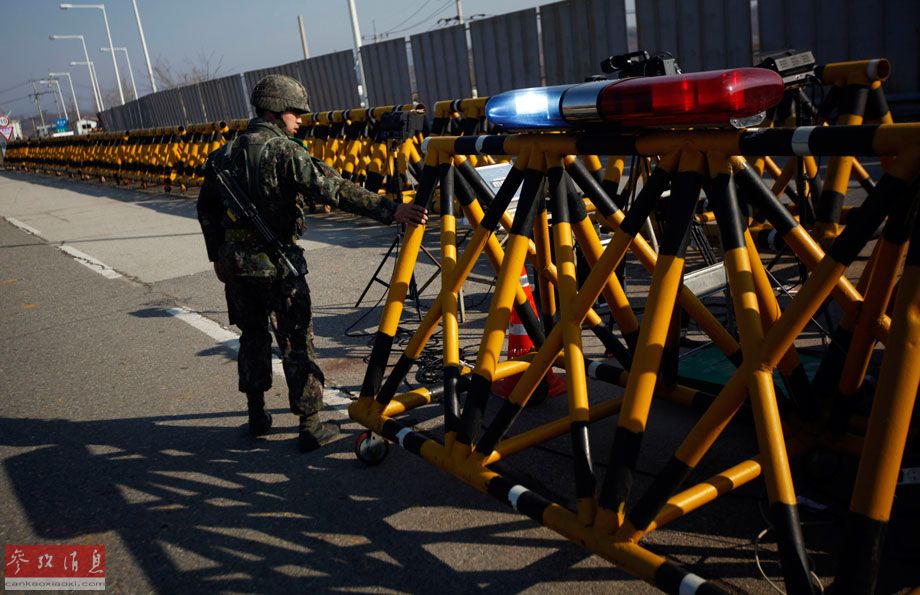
206	508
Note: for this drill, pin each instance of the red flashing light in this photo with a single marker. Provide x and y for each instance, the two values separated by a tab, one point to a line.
690	99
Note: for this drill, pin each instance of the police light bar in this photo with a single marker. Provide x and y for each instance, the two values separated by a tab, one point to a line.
699	98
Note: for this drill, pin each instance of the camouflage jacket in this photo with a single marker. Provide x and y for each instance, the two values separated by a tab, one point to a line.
280	176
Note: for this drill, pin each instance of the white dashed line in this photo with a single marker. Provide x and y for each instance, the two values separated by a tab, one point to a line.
83	258
23	226
91	263
333	398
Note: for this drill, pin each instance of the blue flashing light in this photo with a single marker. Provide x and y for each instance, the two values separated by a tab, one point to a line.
536	107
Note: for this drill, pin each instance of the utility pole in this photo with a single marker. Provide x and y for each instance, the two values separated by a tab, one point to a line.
359	66
73	93
38	104
303	38
459	11
60	96
140	29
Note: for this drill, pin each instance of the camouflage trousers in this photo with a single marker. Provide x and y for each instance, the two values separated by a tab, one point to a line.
257	305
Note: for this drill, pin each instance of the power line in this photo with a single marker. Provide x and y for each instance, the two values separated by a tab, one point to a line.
14	87
427	2
432	15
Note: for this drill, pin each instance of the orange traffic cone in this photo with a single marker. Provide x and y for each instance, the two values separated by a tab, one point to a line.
519	343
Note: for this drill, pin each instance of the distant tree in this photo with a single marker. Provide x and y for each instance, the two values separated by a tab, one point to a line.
203	67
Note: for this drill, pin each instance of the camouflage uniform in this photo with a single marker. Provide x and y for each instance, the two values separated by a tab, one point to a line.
278	172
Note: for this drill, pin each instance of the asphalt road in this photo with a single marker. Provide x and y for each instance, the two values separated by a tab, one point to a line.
120	424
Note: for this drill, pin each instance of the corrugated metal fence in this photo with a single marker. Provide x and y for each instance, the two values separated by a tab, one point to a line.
558	43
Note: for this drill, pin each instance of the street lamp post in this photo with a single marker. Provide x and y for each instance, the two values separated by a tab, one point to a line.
92	71
140	29
50	82
359	65
73	93
130	70
89	67
108	32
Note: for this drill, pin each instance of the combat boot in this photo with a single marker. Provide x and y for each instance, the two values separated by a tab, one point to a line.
260	420
315	434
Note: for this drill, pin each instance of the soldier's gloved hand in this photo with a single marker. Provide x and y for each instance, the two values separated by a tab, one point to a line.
410	213
218	272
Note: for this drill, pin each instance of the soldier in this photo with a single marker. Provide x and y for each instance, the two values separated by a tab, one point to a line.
277	171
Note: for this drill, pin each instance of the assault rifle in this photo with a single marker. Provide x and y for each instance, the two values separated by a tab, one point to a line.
240	206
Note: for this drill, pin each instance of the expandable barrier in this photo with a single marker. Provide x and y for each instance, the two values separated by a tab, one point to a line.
601	521
572	176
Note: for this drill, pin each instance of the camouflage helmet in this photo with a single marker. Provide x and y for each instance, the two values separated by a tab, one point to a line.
279	93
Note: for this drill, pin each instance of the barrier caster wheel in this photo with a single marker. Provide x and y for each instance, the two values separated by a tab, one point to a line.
370	448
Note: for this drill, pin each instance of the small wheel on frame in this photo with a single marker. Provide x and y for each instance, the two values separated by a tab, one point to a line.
370	448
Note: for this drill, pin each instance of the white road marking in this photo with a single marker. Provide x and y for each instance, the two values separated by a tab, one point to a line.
83	258
90	262
23	226
333	398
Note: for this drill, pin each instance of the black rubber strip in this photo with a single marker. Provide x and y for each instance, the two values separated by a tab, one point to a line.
622	144
901	221
439	126
498	428
426	186
766	141
645	202
613	345
377	363
829	207
825	380
585	483
619	478
397	375
558	196
446	176
669	577
913	250
476	399
724	203
464	192
791	544
493	145
877	104
866	218
482	190
598	194
529	503
577	210
842	140
860	557
465	145
685	194
531	323
756	192
503	198
853	101
451	401
528	203
604	372
668	480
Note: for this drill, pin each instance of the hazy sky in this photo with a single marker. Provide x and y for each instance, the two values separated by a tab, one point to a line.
241	35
